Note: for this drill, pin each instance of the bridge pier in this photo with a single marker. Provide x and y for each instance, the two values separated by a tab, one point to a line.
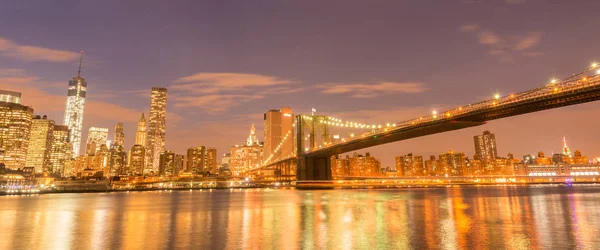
313	168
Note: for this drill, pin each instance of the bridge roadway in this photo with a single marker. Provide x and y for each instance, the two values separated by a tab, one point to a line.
315	164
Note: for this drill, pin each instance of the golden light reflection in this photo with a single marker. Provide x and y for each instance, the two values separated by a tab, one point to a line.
501	217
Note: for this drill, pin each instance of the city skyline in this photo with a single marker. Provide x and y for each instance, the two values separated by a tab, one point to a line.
242	92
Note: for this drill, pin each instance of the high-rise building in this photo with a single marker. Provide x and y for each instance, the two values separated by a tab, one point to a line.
409	165
432	167
170	163
119	135
137	155
278	134
156	137
453	164
485	146
211	160
340	166
60	154
196	159
364	165
96	138
74	109
566	151
140	134
201	160
40	144
15	129
10	96
247	156
117	162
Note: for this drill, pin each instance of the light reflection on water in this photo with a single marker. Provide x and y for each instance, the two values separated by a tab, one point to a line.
444	218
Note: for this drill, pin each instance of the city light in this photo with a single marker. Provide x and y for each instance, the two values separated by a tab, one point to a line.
497	96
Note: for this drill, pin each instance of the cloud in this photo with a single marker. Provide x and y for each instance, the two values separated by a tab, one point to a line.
218	92
216	102
488	38
528	41
214	82
504	47
468	27
34	53
361	90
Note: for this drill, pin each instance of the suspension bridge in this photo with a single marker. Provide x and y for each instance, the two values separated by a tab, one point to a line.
314	145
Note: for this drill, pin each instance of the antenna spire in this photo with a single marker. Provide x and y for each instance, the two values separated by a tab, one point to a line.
80	59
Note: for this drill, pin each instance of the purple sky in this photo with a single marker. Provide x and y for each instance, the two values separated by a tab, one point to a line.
227	62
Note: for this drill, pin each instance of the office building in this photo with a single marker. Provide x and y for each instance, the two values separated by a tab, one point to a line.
247	156
140	134
40	144
340	166
96	138
170	163
278	134
364	165
409	165
156	136
119	135
74	109
117	162
137	155
485	146
453	164
61	152
15	129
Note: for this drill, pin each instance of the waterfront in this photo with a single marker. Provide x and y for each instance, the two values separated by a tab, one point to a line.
549	217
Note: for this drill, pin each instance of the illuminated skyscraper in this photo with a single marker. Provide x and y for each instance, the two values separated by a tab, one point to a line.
117	161
566	150
247	156
278	130
61	152
15	129
96	138
410	165
485	146
137	155
119	135
156	137
74	110
170	163
40	144
195	159
140	135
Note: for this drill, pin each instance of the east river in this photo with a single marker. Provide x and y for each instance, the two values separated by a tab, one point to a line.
543	217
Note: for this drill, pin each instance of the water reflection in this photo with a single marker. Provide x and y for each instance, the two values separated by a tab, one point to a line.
447	218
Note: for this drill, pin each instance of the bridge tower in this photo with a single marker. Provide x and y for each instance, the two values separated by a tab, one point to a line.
312	167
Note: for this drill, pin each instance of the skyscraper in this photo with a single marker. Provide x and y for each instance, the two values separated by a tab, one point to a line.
40	144
119	135
96	138
485	146
247	156
137	155
60	154
156	137
566	151
15	129
170	163
195	159
74	109
140	135
278	124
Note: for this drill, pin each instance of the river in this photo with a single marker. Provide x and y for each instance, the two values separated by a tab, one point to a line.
546	217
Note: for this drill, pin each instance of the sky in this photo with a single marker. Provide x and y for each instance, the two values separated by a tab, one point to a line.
227	62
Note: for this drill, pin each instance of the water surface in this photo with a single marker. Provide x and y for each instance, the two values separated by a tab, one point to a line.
545	217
